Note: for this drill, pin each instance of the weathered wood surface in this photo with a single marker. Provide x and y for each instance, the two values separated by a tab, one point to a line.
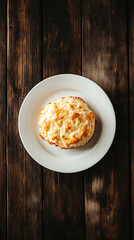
24	176
104	59
131	96
3	114
44	38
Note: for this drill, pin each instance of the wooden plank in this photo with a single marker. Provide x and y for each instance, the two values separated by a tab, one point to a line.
131	95
104	60
24	196
3	119
63	193
61	37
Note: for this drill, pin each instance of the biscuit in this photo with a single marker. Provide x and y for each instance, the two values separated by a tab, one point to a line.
67	122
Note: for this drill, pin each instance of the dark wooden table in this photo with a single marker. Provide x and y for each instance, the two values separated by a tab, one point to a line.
93	38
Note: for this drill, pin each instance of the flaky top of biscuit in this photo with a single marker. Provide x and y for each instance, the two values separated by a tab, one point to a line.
67	122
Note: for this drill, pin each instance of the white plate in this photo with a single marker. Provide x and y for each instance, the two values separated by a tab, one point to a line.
70	160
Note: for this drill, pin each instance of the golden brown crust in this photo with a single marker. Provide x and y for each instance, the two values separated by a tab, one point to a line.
67	122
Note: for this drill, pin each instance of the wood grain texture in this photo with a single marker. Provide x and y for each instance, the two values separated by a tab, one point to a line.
104	60
131	95
24	182
63	213
3	120
61	37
